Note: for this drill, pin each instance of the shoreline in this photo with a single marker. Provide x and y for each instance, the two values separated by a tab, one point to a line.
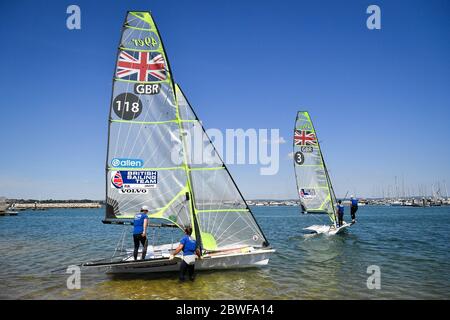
68	205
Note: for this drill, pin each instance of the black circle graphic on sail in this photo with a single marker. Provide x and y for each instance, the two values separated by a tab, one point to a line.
127	106
299	158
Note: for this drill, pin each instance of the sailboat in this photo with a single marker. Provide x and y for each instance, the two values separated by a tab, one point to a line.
313	181
160	156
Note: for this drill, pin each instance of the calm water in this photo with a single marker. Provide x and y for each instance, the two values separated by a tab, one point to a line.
410	245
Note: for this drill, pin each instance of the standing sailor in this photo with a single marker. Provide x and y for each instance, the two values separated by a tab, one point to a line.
303	208
189	247
340	212
140	232
353	208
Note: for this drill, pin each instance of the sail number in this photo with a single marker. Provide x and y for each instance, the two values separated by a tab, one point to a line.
307	149
147	88
147	41
134	106
127	106
299	158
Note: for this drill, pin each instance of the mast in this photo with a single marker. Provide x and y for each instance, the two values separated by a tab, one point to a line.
445	185
303	209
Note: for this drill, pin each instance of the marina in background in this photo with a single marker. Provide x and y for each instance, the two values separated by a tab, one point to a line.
20	204
407	202
13	206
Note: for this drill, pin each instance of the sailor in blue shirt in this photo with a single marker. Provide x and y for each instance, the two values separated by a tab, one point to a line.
340	212
353	208
140	224
189	247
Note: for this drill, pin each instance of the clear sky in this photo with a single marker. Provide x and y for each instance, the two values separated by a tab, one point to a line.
380	99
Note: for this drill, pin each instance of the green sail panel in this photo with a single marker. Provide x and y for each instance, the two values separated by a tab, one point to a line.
313	183
141	168
224	219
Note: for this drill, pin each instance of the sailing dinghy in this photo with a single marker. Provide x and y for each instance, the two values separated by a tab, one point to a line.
313	181
160	156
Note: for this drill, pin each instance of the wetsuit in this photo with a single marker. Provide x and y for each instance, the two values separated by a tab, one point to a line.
303	208
340	208
189	247
353	209
138	229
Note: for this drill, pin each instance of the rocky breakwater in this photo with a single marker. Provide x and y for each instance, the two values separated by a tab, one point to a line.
69	205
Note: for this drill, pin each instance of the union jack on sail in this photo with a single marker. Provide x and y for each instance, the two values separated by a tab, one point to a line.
304	137
307	193
117	180
141	66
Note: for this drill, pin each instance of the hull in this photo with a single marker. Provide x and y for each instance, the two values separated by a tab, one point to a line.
10	213
315	212
328	230
160	262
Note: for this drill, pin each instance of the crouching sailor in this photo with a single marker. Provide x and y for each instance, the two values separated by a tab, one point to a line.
353	208
189	247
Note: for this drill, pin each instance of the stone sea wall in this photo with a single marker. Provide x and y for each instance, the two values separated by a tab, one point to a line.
57	205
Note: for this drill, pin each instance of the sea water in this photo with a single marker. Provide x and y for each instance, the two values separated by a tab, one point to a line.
409	246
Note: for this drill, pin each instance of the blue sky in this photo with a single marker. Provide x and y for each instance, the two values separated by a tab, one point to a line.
380	99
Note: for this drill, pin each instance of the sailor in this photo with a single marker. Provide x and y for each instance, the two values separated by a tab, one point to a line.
140	232
353	208
190	249
340	212
303	208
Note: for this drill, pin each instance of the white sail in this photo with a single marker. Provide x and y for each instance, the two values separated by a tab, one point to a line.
152	158
313	182
224	219
142	130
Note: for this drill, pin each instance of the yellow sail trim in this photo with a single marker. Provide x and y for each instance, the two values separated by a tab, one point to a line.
144	16
159	214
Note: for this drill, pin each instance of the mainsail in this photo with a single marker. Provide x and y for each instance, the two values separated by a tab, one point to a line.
313	182
153	154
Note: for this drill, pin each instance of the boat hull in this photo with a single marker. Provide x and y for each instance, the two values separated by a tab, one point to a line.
327	229
237	259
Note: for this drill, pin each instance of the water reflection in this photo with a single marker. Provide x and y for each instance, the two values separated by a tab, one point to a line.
303	267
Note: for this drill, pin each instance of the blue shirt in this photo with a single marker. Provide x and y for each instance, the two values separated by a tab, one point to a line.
189	245
340	208
354	202
139	223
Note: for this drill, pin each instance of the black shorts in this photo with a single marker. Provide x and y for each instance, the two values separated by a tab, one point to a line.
353	210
